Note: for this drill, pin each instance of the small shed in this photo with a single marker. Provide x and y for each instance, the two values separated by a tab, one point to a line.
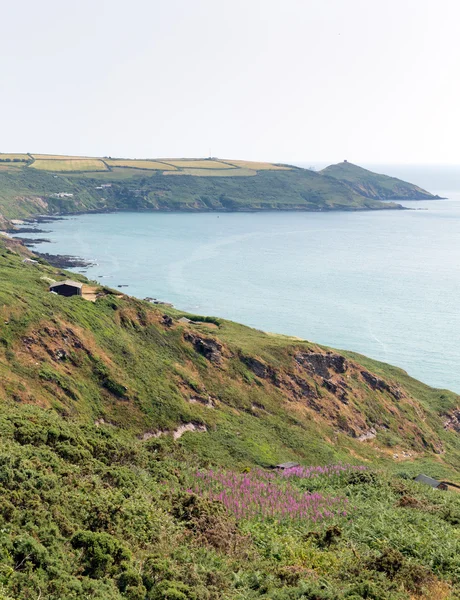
67	288
184	320
434	483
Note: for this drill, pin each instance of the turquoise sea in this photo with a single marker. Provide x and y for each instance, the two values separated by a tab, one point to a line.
386	284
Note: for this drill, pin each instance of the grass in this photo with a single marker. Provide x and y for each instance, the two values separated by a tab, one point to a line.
59	157
139	164
258	166
69	165
235	172
198	164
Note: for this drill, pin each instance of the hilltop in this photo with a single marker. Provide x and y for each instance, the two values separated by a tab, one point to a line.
374	185
33	184
109	409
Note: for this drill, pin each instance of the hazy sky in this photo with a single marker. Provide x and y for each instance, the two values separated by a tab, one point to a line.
283	80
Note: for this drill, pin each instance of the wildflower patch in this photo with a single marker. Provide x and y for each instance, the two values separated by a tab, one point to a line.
264	494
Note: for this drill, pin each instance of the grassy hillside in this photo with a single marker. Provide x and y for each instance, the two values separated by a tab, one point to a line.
374	185
134	451
60	185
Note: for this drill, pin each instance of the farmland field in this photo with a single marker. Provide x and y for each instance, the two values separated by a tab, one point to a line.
89	164
258	166
59	157
140	164
198	164
213	172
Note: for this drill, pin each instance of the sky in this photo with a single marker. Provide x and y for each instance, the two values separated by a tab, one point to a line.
372	81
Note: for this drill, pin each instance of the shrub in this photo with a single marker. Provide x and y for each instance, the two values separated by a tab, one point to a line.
102	554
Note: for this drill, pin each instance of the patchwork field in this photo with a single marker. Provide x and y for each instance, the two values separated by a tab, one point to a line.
90	164
140	164
59	157
198	164
198	167
213	172
258	166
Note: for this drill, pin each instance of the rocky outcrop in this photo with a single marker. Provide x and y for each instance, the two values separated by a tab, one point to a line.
258	367
381	385
452	420
207	401
167	321
338	388
367	435
321	364
176	433
210	348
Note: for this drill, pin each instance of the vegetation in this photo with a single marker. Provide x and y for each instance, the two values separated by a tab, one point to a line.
14	157
140	164
134	455
199	164
259	166
374	185
69	165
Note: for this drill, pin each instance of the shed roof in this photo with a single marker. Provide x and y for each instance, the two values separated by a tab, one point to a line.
76	284
428	480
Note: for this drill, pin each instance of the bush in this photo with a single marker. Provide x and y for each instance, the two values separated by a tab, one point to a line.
102	554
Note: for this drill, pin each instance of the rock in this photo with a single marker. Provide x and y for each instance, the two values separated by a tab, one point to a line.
381	385
452	421
208	347
306	391
179	432
166	320
208	402
62	261
152	434
60	354
258	367
337	388
368	435
319	364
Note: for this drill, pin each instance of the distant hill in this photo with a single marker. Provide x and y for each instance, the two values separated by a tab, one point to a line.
374	185
50	184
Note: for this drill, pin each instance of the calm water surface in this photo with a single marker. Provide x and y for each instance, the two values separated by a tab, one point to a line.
386	284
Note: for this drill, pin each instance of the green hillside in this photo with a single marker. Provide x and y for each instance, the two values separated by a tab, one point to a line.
37	184
135	450
375	186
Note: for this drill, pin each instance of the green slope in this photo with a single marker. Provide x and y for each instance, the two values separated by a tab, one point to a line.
98	493
374	185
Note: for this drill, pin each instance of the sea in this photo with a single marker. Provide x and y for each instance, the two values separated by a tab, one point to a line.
381	283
